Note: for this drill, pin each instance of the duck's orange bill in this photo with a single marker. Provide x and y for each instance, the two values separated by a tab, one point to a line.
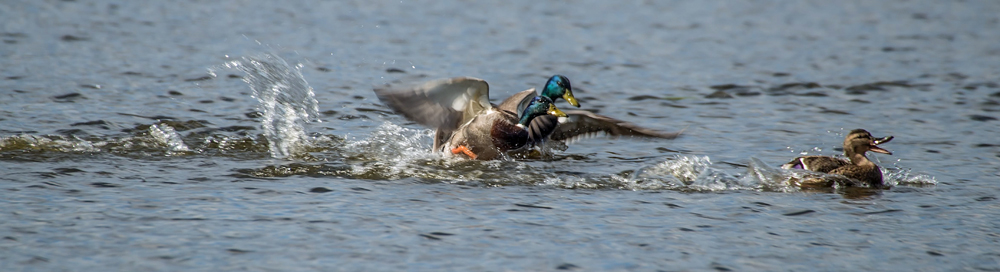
464	149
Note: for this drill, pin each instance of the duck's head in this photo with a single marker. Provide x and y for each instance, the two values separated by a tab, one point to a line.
860	141
539	106
558	86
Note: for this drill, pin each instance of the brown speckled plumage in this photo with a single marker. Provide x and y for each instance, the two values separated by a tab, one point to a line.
857	168
460	111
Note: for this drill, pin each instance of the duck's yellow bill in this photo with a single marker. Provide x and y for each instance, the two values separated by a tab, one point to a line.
568	96
555	111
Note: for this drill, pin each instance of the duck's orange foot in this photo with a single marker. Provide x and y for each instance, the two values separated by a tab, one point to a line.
464	149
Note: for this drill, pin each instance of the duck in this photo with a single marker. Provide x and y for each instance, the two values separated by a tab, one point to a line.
447	105
466	122
859	171
490	135
578	123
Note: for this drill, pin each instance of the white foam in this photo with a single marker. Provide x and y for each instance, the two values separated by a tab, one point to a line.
166	135
685	172
390	151
893	177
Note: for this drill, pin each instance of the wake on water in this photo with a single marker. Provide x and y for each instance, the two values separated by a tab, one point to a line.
393	152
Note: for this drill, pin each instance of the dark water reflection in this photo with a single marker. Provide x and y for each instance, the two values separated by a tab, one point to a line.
128	139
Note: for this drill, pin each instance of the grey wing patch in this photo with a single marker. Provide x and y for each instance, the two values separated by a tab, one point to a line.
517	102
441	104
584	123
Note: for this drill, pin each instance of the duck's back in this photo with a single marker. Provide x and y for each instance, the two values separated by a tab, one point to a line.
822	164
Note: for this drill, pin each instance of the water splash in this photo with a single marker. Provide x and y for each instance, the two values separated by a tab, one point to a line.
389	151
896	176
287	101
30	143
167	136
146	140
393	152
677	172
771	178
685	173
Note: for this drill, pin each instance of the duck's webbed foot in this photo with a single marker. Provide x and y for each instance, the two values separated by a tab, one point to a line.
464	149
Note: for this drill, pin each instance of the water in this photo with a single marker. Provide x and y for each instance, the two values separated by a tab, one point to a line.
286	101
224	136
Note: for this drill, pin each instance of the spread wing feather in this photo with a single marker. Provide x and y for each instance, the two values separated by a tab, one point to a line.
579	123
442	104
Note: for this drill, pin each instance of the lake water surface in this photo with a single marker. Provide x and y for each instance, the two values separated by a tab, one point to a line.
244	135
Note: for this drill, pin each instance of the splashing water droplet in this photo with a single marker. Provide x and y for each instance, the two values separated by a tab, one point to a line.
390	152
684	172
166	135
287	101
896	176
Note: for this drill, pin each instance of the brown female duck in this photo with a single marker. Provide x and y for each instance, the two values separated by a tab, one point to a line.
858	169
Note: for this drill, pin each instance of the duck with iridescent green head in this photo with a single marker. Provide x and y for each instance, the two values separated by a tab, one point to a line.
488	136
462	103
465	120
578	123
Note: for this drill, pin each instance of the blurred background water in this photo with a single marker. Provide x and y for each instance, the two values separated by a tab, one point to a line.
228	135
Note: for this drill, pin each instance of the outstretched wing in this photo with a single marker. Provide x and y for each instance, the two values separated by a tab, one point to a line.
582	123
517	102
443	104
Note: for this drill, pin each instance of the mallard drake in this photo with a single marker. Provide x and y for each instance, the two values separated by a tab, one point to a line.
448	104
579	123
495	132
858	169
466	122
